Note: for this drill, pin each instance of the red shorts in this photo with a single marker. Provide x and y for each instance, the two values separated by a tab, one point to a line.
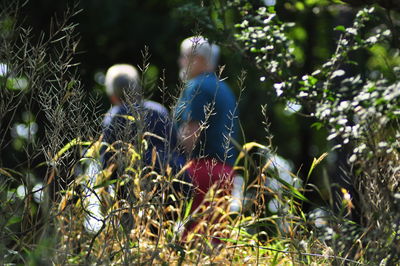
205	173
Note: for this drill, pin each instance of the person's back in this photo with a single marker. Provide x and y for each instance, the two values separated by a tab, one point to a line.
211	102
132	119
149	121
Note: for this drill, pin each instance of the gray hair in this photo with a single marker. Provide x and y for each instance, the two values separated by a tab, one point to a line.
198	45
122	79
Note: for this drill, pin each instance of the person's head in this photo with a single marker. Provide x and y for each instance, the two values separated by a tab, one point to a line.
122	80
197	56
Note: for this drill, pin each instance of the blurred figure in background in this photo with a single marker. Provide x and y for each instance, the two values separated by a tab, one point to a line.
207	116
131	117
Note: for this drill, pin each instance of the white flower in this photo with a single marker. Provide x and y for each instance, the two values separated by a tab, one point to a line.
372	39
303	94
342	121
382	144
278	88
353	158
338	73
351	31
325	113
267	20
344	104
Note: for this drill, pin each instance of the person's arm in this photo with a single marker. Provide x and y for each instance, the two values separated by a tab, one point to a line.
194	114
190	133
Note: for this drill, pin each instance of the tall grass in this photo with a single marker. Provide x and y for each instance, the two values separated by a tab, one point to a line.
144	224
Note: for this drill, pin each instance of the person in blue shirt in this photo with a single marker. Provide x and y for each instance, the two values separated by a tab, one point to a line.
132	118
207	117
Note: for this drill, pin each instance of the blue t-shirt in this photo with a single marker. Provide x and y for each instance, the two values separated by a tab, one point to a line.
154	119
122	123
210	102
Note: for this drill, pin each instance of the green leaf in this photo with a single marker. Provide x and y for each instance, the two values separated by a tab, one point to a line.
188	208
312	80
271	9
217	21
299	6
14	220
105	183
17	83
340	28
317	125
380	101
68	146
295	192
316	162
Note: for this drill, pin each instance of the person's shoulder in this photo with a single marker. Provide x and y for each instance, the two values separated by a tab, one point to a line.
209	84
115	115
156	107
207	78
206	82
116	111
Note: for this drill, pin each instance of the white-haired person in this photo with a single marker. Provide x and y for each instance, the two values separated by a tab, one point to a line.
123	88
207	117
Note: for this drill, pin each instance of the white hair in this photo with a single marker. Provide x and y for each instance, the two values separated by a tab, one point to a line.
198	45
121	79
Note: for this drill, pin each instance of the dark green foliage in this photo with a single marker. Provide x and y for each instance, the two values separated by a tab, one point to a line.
357	104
